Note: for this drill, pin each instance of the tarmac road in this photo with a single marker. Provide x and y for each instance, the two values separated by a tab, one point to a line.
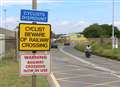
72	69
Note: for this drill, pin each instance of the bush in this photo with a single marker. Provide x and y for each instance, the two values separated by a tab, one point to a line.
102	50
80	47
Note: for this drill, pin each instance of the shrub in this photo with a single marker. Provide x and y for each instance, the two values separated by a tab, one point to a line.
104	50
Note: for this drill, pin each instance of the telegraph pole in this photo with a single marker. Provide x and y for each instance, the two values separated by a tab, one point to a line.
34	7
113	30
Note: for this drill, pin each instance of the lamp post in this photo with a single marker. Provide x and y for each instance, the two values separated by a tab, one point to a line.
16	42
113	30
5	17
34	4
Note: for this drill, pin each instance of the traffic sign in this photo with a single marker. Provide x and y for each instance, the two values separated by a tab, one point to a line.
33	15
34	37
35	64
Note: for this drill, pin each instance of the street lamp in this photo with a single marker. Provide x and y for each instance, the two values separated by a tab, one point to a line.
5	16
113	30
34	4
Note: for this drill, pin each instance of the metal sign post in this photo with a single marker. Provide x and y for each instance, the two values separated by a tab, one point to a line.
34	7
34	37
34	76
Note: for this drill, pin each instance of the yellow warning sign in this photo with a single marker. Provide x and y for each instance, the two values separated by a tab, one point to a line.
34	37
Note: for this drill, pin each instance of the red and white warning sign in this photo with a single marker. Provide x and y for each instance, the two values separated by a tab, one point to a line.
35	64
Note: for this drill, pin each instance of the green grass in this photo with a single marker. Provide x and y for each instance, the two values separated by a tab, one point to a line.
9	76
104	50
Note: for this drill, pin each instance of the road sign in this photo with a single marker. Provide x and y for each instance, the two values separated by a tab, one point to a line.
35	64
33	15
34	37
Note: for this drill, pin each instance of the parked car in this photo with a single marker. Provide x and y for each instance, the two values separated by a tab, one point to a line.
54	43
66	43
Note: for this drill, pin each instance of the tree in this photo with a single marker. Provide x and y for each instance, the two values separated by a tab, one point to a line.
108	30
103	30
93	31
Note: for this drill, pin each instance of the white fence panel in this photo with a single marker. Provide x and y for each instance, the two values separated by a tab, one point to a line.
2	45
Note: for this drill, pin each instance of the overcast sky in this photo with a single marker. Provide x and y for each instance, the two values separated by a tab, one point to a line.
66	16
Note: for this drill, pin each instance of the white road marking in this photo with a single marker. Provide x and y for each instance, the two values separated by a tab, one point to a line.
74	77
69	66
72	65
67	73
84	75
54	80
67	70
111	86
91	64
78	82
105	83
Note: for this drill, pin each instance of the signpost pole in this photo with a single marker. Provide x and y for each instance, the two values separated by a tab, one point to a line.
43	33
34	76
33	80
34	7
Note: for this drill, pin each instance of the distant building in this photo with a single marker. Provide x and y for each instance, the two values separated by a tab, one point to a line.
77	37
8	33
10	41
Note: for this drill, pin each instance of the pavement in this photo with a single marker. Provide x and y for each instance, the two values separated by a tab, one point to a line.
72	69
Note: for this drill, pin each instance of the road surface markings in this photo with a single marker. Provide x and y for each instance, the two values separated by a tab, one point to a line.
91	64
54	80
72	65
74	77
78	82
105	83
69	73
84	74
67	70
